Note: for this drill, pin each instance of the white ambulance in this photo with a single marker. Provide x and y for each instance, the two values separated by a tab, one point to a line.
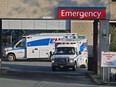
70	53
33	46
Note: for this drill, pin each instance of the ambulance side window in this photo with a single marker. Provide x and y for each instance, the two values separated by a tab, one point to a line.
21	44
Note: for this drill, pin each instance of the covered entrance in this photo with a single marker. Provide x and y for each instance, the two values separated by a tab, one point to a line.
97	11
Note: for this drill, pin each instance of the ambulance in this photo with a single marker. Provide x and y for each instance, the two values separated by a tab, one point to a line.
33	46
70	52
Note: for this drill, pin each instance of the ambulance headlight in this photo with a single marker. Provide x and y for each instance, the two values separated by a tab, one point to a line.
7	49
52	60
71	60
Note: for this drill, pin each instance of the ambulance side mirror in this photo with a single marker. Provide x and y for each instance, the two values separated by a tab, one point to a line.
51	53
79	52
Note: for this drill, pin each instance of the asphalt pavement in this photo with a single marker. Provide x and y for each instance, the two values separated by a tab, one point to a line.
39	74
38	67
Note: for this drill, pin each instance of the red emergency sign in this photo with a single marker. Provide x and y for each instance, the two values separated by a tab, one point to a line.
82	13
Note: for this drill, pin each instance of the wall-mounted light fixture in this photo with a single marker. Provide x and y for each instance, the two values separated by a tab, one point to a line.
47	17
104	33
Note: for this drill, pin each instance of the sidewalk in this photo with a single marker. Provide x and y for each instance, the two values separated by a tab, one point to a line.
97	80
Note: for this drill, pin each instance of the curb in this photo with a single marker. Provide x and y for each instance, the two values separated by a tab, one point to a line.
95	79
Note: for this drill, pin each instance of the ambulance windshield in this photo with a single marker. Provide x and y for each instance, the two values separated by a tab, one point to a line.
64	50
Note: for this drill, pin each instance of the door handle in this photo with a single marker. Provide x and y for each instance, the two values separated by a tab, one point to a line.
36	49
20	52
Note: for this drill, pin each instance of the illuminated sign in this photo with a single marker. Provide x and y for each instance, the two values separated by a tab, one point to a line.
82	13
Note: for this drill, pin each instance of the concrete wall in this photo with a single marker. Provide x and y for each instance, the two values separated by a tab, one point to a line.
42	8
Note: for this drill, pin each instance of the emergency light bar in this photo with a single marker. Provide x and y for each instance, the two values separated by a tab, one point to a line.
57	39
73	36
66	42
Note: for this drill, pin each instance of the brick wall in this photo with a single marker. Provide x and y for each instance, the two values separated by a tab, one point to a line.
113	11
84	27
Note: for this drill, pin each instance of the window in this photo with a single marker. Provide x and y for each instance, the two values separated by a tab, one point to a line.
65	50
21	44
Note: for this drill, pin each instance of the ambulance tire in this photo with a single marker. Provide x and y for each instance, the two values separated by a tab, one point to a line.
86	64
74	67
53	68
11	57
82	66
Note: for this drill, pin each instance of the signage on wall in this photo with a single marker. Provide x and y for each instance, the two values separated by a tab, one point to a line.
82	12
108	59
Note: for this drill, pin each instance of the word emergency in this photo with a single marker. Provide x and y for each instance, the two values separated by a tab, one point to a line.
80	14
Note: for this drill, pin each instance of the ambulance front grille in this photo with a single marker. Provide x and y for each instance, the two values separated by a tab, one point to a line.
61	60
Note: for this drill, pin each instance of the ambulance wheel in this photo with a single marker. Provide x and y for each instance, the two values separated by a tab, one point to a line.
74	67
53	68
11	57
86	64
